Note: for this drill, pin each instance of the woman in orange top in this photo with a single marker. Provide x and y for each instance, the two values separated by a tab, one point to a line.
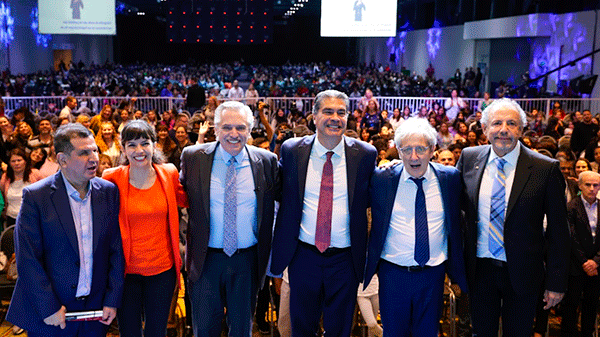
149	193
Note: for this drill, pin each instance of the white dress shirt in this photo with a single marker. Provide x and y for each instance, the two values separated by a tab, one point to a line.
399	246
592	213
485	195
340	220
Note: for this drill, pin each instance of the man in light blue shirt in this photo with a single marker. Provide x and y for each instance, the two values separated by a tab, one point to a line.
231	187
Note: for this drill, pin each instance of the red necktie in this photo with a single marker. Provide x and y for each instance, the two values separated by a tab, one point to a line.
323	232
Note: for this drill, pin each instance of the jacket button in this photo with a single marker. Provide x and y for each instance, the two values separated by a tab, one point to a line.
74	286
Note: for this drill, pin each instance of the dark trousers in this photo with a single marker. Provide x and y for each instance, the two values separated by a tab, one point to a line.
589	287
541	315
148	297
262	305
410	301
492	296
225	282
74	329
322	283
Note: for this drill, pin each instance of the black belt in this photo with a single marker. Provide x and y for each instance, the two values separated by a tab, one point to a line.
412	269
82	298
239	250
493	262
328	252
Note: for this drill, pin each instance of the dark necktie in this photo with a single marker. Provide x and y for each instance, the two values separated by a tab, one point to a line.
230	243
421	227
323	231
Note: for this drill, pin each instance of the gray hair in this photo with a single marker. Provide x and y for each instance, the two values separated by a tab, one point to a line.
236	106
329	94
587	173
415	126
498	104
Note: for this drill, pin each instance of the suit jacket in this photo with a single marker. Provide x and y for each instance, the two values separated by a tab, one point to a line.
47	253
538	189
295	154
167	176
196	167
384	186
583	247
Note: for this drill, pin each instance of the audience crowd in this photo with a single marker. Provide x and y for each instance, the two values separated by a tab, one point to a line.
27	151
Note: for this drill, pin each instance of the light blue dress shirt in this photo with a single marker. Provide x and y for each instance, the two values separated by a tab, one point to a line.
247	226
81	209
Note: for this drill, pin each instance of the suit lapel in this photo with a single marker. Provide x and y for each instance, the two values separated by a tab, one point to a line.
352	161
303	156
522	172
205	163
60	201
395	174
258	173
479	165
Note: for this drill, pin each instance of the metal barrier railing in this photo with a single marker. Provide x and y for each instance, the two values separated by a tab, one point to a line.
53	104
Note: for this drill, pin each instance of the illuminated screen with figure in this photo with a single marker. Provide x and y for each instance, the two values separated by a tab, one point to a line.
92	17
348	18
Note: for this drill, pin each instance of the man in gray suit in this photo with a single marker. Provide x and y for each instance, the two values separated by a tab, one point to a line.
231	188
508	189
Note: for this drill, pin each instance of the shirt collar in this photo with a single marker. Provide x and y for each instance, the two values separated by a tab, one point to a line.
587	204
321	150
405	176
225	156
511	157
72	192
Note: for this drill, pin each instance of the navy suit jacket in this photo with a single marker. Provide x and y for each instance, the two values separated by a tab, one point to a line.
538	189
48	255
384	185
196	168
295	154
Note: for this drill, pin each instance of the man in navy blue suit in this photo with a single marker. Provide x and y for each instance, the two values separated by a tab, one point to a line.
68	244
325	253
415	234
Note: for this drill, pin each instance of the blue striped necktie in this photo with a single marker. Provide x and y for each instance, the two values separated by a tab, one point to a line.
230	243
497	207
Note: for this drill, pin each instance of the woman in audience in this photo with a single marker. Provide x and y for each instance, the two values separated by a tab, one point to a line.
406	113
396	118
183	140
461	130
37	157
485	102
50	165
108	141
23	133
371	121
104	116
164	143
104	163
280	117
581	165
19	174
152	118
125	117
440	115
85	120
150	193
209	111
472	138
167	119
444	137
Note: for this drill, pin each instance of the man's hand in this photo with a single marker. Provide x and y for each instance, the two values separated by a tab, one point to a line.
551	298
108	314
57	318
590	267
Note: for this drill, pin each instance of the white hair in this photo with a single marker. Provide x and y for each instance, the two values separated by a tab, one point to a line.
415	126
236	106
498	104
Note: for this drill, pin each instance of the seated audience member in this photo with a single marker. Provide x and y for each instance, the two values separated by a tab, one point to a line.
44	137
446	158
461	130
50	165
444	137
18	175
37	157
23	133
108	141
104	163
584	282
164	143
105	115
581	165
